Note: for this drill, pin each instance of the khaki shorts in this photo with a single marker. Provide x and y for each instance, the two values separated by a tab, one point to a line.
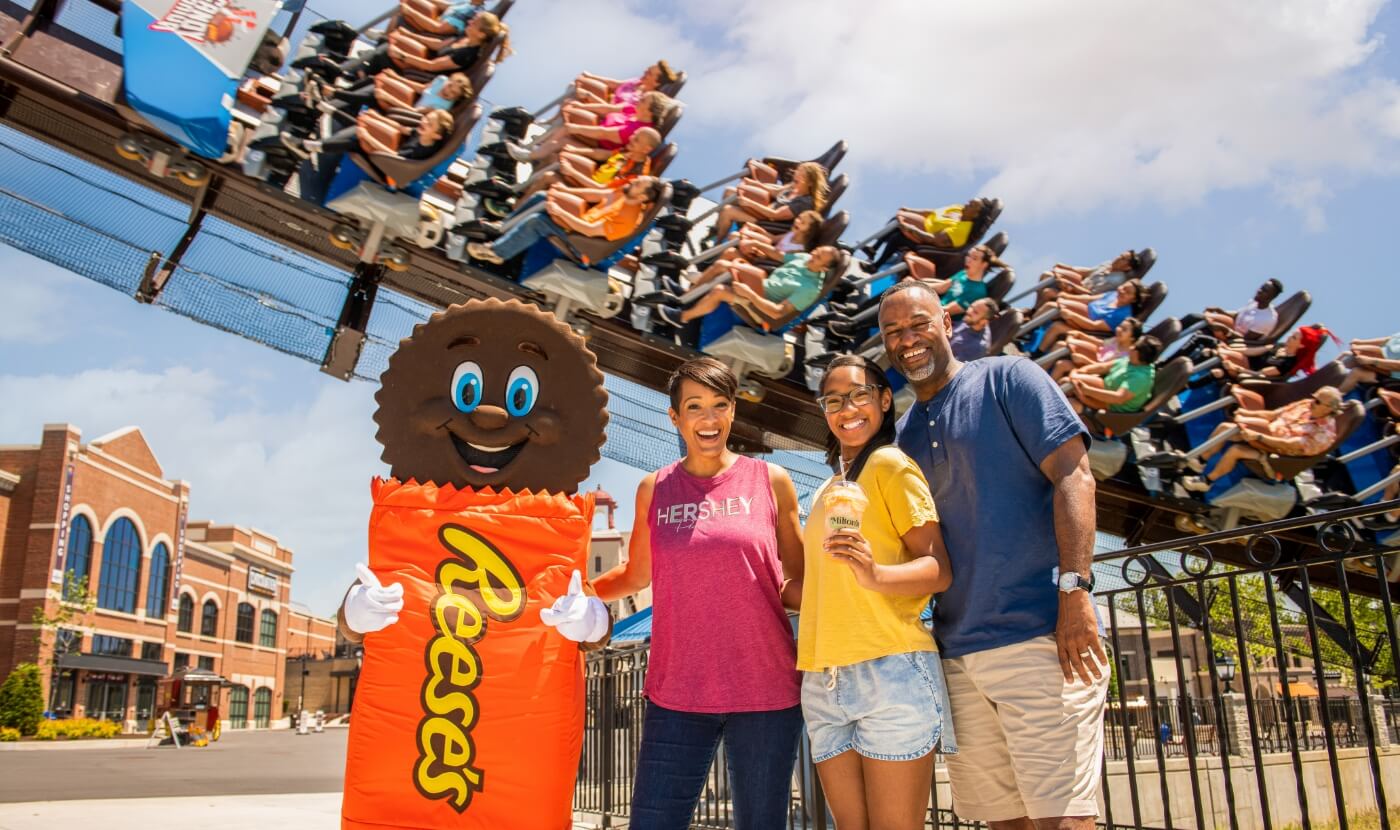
1028	743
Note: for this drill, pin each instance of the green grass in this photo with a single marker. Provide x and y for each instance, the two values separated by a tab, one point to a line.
1355	821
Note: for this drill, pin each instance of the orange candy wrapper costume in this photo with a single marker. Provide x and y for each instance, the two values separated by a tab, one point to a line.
469	710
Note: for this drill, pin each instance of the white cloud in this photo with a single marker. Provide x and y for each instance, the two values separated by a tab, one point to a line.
30	305
301	474
1054	107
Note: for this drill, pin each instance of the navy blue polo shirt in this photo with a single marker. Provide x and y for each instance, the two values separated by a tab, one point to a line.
980	442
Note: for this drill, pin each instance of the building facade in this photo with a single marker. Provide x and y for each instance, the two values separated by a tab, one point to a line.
164	591
608	548
321	667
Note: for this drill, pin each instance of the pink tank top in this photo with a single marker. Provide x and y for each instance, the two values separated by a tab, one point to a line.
720	639
627	124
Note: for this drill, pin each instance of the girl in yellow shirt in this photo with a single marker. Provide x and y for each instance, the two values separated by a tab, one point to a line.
873	695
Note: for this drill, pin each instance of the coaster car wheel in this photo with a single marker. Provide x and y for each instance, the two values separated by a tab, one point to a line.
129	148
394	258
344	237
192	174
750	391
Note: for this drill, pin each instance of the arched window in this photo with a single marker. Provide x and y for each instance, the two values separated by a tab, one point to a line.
267	633
77	559
158	582
243	631
185	622
262	708
209	621
238	707
121	567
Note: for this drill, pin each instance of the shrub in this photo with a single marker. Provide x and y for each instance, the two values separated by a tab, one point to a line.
8	733
22	699
58	730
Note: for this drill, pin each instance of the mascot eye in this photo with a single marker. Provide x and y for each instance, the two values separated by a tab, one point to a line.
522	388
466	386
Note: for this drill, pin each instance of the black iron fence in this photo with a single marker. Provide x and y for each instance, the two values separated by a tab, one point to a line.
1250	696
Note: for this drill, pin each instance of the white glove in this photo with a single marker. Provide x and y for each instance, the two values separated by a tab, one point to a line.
370	606
578	616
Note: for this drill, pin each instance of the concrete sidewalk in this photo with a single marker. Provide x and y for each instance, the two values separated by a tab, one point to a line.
314	811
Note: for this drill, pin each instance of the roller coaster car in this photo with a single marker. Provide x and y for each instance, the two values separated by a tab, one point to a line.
828	160
1290	311
950	260
1147	258
499	10
1272	395
161	158
836	189
1004	327
182	63
1277	467
1253	396
579	278
752	343
1171	378
1270	496
377	217
392	171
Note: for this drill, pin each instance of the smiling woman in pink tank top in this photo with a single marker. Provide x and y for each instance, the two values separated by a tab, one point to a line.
717	537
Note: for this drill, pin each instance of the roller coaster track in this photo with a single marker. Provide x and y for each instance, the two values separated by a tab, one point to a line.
62	89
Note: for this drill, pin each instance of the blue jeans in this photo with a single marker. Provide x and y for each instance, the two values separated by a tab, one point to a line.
678	748
518	239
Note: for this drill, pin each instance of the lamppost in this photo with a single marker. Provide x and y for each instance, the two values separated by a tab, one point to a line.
355	679
1225	668
301	699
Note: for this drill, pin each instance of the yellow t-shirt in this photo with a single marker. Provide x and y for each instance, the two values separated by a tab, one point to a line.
841	622
949	219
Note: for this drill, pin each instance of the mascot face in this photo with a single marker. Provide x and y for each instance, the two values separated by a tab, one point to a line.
492	394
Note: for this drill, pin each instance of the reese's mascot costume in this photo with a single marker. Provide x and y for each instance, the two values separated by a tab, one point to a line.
470	704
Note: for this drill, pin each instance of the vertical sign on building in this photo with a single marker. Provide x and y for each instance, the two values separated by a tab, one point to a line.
179	549
57	576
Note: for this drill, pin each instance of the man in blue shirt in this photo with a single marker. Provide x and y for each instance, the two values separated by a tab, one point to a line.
1006	459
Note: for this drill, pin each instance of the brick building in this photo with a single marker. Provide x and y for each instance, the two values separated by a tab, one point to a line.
321	669
167	591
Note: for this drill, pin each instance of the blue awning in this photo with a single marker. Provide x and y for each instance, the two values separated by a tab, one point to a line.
633	629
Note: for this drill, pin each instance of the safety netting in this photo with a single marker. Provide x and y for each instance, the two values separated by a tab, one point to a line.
107	228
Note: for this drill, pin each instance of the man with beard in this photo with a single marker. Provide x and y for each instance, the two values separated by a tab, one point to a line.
1005	457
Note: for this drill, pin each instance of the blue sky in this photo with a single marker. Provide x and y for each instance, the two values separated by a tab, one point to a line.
1259	144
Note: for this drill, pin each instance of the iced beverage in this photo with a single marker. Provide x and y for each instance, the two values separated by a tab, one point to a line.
845	503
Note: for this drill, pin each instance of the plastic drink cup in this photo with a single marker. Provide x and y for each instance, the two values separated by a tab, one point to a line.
845	504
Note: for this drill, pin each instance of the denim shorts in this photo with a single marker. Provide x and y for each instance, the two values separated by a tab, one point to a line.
891	708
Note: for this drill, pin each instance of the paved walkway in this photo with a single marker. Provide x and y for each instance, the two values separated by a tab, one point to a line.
316	811
241	763
273	780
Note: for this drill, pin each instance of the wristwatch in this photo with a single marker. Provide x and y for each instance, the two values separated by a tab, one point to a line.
1072	581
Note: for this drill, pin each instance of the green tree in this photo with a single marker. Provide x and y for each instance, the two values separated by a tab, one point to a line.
75	604
1256	631
22	699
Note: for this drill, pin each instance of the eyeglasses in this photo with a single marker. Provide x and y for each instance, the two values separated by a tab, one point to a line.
859	396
